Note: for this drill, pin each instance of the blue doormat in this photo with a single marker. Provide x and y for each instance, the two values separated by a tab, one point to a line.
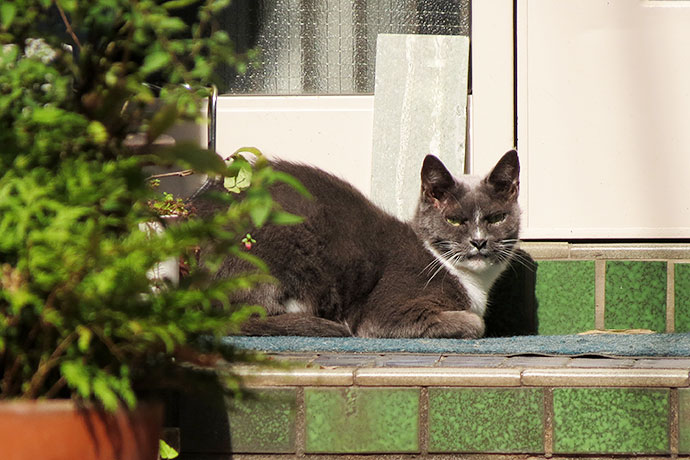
613	345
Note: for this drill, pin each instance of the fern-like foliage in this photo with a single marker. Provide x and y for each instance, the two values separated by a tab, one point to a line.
78	315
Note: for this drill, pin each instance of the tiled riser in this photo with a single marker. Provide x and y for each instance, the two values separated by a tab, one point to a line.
538	420
582	295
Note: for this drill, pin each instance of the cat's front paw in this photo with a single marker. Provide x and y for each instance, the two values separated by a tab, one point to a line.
459	325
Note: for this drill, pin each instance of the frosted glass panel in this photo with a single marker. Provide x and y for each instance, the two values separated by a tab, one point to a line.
419	109
328	46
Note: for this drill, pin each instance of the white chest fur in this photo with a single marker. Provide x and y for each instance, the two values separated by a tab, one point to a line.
476	276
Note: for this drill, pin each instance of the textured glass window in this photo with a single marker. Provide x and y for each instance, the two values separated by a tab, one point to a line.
328	46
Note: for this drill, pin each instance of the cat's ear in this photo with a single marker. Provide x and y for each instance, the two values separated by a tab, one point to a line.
505	177
436	180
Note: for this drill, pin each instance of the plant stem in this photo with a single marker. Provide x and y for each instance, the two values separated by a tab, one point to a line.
8	377
183	173
108	343
55	389
68	26
43	368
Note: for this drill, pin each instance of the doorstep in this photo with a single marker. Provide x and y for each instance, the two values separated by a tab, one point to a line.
329	406
403	369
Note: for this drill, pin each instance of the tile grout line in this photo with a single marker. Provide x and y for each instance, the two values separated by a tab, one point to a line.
548	422
423	420
670	296
300	423
674	428
599	294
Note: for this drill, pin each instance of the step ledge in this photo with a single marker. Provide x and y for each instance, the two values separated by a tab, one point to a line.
613	251
252	376
465	377
438	377
605	377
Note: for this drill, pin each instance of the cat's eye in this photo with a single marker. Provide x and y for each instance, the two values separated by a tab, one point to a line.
496	218
456	222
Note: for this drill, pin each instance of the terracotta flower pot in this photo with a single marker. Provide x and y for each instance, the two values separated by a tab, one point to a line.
55	429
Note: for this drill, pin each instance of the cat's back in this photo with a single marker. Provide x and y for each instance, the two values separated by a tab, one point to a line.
345	220
327	191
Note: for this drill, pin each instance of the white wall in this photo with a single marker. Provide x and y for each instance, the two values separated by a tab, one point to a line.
331	132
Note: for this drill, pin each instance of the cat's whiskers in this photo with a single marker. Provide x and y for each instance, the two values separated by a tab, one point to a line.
507	253
440	267
521	259
430	266
433	275
436	261
445	254
451	256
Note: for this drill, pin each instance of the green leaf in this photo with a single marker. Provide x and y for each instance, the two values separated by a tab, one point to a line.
165	451
239	182
244	178
252	259
230	185
172	25
291	181
7	14
48	115
77	376
53	317
174	4
190	155
123	387
68	5
97	132
104	393
219	5
253	150
84	340
162	121
260	211
154	61
286	218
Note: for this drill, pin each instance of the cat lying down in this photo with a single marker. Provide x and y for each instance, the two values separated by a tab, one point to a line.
350	269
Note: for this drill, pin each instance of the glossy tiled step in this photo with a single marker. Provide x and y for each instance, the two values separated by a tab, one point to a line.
264	421
630	286
635	295
611	420
682	297
361	420
565	292
481	406
486	420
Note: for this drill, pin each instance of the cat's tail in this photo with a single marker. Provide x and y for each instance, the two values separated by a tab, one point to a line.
295	324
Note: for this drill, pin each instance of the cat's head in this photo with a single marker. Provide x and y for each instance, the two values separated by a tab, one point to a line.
472	222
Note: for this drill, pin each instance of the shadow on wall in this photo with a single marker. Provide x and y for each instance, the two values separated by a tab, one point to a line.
512	306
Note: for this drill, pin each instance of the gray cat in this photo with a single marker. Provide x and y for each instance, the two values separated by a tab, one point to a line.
350	269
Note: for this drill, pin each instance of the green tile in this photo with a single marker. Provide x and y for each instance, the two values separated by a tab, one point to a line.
684	420
610	420
636	295
362	420
264	421
682	296
486	420
565	292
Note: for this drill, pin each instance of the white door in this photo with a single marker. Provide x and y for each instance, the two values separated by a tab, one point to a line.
604	118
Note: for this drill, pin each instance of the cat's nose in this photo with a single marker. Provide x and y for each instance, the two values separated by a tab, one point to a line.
479	244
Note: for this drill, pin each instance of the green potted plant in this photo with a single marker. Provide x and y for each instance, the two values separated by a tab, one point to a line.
169	209
79	320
